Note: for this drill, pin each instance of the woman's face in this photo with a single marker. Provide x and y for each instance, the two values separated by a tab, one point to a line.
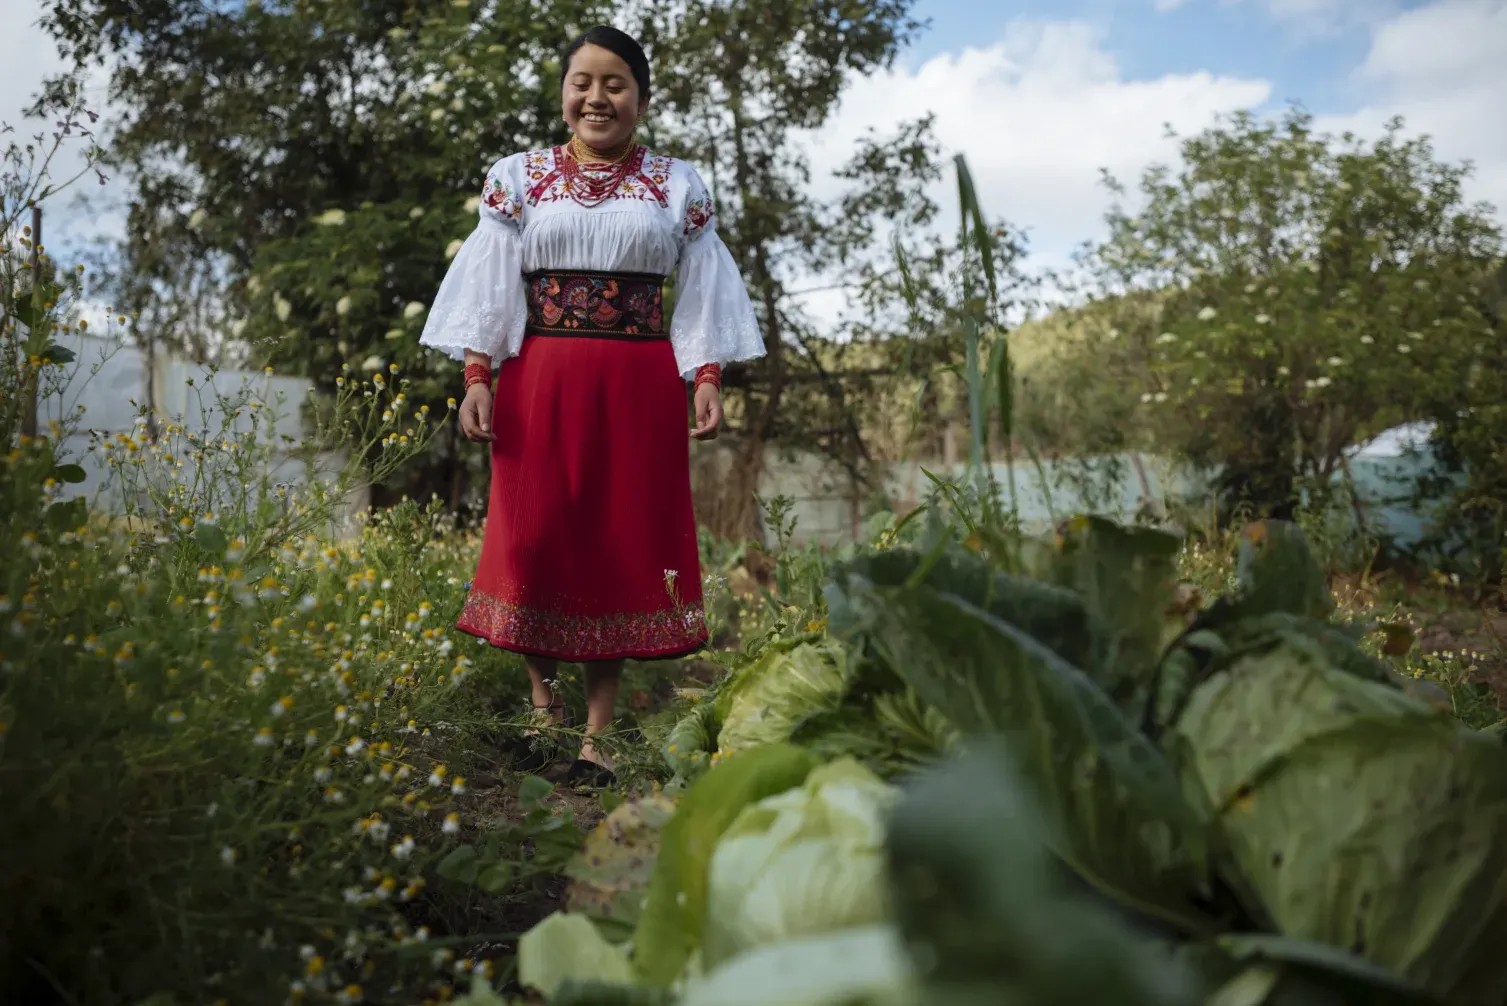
600	98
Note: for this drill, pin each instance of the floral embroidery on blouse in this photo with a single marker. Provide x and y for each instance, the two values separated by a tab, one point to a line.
699	213
648	178
498	196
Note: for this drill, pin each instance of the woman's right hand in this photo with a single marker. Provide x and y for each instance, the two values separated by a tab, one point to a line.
476	414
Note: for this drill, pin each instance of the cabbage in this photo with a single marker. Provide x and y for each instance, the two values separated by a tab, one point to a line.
806	861
568	948
670	928
1355	815
767	700
689	746
866	966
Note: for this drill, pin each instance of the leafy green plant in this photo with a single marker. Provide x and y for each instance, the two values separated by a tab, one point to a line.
225	736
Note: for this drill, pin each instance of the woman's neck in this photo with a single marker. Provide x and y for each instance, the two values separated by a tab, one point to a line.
585	152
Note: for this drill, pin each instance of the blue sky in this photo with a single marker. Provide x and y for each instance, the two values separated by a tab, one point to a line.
1243	39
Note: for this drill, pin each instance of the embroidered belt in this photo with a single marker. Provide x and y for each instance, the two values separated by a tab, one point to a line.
597	305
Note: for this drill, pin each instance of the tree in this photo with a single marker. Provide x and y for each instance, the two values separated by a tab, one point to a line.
1470	440
1283	294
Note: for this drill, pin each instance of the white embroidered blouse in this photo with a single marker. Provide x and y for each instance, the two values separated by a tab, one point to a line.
660	221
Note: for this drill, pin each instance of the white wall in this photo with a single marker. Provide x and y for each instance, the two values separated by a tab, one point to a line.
108	385
1116	488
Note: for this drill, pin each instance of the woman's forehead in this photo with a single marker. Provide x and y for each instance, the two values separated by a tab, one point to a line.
595	61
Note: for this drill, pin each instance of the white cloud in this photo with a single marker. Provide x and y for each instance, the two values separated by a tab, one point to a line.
1162	6
1441	67
1037	115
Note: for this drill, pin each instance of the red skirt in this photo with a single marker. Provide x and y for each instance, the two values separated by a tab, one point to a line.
590	551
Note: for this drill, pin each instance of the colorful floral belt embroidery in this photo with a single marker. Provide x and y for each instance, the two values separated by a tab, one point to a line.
596	304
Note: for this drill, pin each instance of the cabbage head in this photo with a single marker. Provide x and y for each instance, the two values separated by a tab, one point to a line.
768	699
864	966
807	861
565	948
1354	814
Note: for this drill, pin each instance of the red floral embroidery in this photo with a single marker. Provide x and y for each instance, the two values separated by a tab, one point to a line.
648	635
698	214
499	196
648	179
588	303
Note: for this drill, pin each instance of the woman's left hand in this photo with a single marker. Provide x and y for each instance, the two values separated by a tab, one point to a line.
708	412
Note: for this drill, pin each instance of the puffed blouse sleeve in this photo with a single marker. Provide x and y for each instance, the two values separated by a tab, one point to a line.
713	320
481	304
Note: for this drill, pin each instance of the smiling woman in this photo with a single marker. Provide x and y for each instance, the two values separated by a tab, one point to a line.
590	552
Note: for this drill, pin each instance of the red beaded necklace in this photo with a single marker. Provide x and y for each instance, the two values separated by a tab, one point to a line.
596	188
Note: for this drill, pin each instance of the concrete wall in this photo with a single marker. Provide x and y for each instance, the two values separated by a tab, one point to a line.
108	385
1118	486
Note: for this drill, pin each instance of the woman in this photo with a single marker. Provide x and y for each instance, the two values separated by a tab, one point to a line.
590	551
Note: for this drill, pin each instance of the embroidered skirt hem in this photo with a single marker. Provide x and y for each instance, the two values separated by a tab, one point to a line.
574	654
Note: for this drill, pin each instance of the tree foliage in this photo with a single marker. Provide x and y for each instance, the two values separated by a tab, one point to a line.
1283	294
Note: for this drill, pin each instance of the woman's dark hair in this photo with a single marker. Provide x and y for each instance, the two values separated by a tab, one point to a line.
620	44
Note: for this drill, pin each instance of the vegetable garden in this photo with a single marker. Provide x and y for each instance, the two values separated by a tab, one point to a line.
244	760
1032	775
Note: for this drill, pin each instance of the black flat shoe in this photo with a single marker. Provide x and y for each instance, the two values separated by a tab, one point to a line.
535	752
531	754
590	774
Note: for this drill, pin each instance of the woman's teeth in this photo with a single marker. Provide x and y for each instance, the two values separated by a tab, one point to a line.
593	117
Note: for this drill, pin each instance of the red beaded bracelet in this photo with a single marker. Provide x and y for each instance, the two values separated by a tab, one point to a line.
711	374
478	373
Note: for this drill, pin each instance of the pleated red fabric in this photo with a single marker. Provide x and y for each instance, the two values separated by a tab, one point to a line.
590	550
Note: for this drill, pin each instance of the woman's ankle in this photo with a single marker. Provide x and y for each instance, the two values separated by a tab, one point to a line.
590	752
